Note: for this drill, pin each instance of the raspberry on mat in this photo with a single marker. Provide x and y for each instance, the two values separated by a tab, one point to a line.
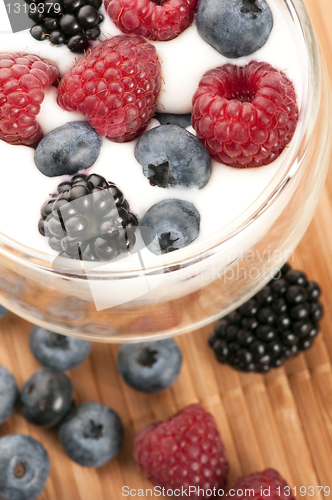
268	481
115	86
184	451
154	19
23	78
245	115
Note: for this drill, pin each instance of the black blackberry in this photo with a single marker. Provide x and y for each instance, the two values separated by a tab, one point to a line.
71	22
88	219
278	323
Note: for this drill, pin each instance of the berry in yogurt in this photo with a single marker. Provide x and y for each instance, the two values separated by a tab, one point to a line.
23	78
70	22
115	87
235	29
88	219
68	149
171	156
245	115
156	20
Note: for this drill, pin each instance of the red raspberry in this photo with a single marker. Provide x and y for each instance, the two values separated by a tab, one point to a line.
269	480
245	115
155	19
23	78
185	451
116	86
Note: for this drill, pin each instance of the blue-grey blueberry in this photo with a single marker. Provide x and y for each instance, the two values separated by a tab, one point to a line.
47	397
68	149
24	467
174	224
171	156
92	434
235	28
58	351
150	366
8	394
3	311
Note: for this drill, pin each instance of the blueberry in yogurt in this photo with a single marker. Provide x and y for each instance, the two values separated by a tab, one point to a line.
74	146
175	224
171	156
181	120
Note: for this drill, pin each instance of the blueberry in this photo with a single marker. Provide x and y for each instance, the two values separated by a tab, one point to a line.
235	29
64	151
58	351
92	434
46	397
24	467
183	121
3	311
8	394
174	224
150	366
88	16
172	156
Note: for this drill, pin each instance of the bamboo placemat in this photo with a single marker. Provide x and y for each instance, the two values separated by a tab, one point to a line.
281	420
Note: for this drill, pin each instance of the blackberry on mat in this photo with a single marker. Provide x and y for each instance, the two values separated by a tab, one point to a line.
88	219
70	22
279	322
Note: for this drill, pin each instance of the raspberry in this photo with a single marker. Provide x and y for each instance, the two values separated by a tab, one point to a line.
185	451
154	19
23	78
245	115
260	481
116	86
278	323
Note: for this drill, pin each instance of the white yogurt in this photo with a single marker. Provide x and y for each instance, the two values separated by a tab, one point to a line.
184	60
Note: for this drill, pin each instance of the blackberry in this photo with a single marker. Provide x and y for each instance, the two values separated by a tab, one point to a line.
88	219
279	322
70	22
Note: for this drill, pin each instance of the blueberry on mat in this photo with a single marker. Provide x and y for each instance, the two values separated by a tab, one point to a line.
47	397
234	28
8	394
92	434
24	467
175	224
58	351
150	366
66	150
279	322
171	156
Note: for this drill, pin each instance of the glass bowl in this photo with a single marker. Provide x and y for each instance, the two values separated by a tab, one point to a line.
187	289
